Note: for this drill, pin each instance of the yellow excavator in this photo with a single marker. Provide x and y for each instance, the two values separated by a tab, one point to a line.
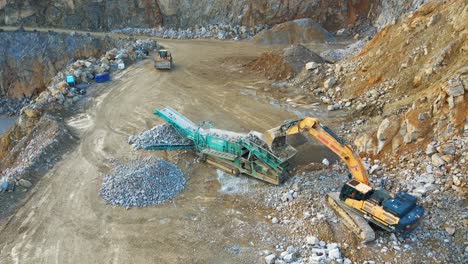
357	203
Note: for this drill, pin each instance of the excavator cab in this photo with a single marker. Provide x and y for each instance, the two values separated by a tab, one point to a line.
356	191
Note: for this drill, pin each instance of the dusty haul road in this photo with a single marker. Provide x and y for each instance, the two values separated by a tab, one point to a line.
66	221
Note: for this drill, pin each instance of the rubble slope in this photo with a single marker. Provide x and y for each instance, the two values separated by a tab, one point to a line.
410	79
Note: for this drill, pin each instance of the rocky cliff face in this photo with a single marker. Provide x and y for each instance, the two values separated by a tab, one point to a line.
29	60
105	14
81	14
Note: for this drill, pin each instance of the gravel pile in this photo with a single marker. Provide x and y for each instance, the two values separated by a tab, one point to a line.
143	182
296	56
164	134
341	54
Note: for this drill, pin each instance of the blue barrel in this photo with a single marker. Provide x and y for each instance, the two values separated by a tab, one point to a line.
102	77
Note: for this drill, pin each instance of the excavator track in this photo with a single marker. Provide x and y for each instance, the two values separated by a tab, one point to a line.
355	222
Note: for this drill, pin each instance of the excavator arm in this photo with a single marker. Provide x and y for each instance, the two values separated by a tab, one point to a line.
276	138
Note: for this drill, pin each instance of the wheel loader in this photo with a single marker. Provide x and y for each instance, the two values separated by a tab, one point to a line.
357	203
163	60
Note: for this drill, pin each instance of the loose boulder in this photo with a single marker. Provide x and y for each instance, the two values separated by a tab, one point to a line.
387	130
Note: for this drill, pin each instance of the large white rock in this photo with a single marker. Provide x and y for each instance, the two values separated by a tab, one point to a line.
329	82
312	240
386	132
270	259
387	129
454	87
437	161
311	65
334	107
289	258
326	162
430	149
375	168
24	183
291	249
331	246
334	253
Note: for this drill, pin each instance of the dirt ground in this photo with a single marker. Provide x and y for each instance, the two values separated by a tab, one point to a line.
66	221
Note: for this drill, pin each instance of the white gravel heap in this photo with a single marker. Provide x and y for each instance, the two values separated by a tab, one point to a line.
164	134
143	182
341	54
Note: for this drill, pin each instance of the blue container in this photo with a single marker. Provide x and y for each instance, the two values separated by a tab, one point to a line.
102	77
70	80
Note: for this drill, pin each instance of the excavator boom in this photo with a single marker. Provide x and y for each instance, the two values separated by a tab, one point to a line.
276	138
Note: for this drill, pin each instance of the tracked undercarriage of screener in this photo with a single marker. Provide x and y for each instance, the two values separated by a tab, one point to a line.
265	157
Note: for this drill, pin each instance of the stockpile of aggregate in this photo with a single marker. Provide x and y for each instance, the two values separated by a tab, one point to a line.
143	182
164	134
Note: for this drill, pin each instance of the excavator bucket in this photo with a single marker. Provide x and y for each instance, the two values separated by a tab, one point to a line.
275	138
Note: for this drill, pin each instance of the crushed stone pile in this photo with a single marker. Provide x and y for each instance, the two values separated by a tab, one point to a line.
296	56
285	64
143	182
164	134
335	55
